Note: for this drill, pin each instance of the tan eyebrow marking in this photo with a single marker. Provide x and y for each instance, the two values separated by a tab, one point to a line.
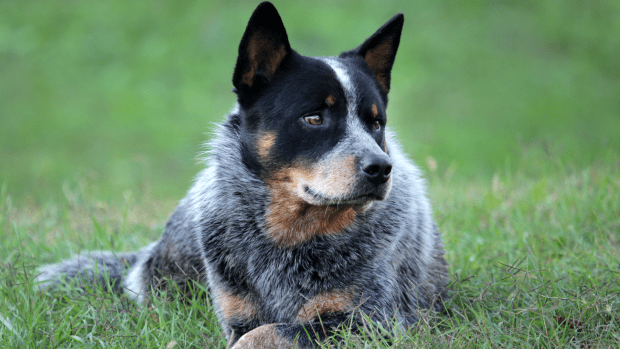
375	111
330	100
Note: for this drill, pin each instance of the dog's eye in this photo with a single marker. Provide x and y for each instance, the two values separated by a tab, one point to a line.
314	119
376	125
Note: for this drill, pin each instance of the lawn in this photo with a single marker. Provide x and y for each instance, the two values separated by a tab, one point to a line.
511	109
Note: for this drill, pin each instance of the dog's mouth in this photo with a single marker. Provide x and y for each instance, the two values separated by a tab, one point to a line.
322	200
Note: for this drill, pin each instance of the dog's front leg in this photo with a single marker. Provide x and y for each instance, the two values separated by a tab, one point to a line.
266	336
281	336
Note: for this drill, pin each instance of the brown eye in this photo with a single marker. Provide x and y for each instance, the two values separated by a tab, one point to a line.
376	125
314	119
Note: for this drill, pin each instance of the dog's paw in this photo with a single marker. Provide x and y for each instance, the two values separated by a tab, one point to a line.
264	337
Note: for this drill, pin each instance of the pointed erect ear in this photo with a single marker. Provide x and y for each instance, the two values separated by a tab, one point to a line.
263	47
379	50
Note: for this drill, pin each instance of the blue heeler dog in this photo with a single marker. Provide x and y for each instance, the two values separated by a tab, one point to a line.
308	214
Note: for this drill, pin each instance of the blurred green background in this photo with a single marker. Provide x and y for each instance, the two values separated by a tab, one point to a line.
121	94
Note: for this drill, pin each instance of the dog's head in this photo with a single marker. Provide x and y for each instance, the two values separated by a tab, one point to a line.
314	128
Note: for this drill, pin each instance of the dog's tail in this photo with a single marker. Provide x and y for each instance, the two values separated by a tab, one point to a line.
174	257
102	268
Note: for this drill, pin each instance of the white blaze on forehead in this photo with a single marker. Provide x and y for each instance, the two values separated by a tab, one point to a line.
356	136
345	80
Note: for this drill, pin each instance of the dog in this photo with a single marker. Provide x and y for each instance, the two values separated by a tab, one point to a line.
308	215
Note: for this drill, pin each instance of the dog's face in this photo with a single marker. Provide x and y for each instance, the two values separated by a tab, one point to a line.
323	136
314	128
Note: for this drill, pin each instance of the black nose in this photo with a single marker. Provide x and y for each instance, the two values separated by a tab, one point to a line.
377	168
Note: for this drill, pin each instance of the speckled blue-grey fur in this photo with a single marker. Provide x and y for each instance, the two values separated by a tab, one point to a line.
90	267
393	253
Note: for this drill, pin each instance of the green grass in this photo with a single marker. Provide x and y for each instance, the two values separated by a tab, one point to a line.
510	108
535	262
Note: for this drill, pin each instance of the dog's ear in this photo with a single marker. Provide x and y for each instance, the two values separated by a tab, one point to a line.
263	48
379	50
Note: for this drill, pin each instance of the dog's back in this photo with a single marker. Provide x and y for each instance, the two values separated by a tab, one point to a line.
308	214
